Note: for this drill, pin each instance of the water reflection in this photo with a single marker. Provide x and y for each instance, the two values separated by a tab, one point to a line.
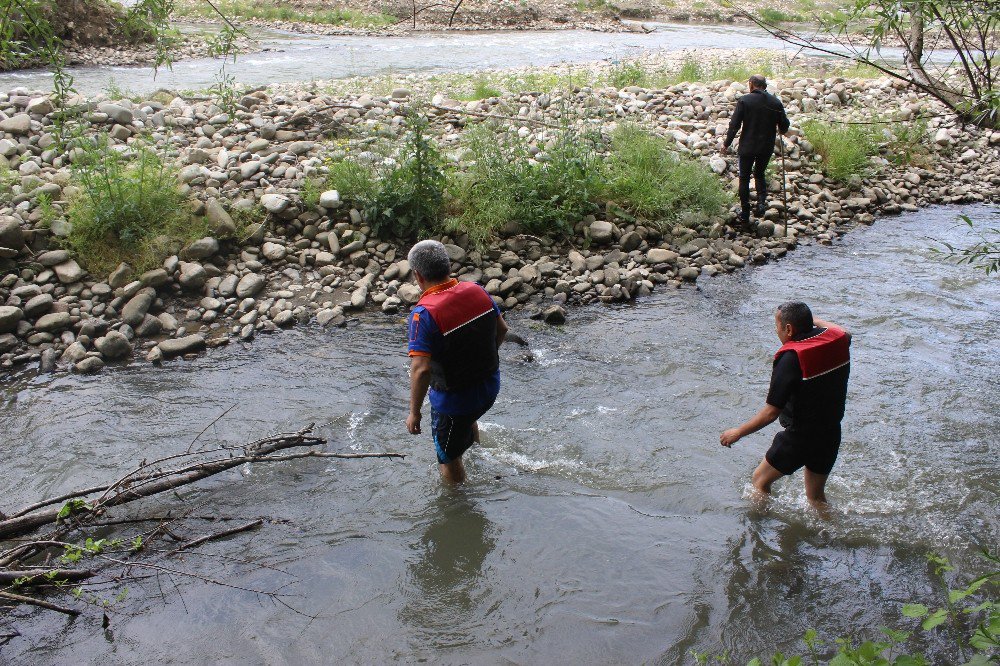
448	573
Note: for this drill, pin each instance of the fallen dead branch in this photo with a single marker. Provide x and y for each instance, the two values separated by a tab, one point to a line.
218	535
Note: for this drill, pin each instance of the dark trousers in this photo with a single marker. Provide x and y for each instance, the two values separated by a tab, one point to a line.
756	165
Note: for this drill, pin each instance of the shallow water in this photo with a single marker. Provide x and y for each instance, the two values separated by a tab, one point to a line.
603	523
295	57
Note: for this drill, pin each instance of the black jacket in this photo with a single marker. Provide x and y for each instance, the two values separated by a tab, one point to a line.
758	113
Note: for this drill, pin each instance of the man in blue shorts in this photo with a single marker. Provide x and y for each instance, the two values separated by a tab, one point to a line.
808	393
455	332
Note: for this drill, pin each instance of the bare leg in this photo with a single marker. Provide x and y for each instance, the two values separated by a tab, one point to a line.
454	472
815	485
764	476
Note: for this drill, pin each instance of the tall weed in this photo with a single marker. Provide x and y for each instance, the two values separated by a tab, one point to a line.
845	150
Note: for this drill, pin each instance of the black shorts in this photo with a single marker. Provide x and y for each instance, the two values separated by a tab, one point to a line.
816	452
453	434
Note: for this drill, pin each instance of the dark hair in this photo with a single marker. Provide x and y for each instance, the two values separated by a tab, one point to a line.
430	259
758	81
797	314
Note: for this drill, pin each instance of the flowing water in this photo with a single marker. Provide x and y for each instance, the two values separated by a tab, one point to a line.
603	523
294	57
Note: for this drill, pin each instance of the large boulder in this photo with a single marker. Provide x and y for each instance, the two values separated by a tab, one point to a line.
203	248
17	125
68	272
135	310
114	345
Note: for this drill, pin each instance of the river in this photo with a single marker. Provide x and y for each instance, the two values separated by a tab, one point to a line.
294	57
603	522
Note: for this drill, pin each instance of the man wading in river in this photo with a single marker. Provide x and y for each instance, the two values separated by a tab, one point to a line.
455	332
808	392
757	116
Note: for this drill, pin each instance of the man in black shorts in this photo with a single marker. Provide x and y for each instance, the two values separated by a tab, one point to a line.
808	391
757	118
455	332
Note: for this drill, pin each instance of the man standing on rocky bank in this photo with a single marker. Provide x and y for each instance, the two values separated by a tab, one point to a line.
808	392
455	332
757	116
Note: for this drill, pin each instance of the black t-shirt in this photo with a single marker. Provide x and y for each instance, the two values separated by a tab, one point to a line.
807	406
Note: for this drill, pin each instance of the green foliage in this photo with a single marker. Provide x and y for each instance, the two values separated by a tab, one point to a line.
482	89
983	254
652	181
969	620
127	200
409	198
774	16
691	71
624	74
908	143
282	11
845	150
546	194
71	507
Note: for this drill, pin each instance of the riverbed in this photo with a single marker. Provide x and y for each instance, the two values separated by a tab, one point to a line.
603	523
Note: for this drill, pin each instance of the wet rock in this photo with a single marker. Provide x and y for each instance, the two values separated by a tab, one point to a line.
192	276
554	314
9	316
8	342
89	365
74	353
113	346
150	326
186	345
689	273
38	305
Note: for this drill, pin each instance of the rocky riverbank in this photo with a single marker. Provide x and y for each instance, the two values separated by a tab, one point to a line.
299	263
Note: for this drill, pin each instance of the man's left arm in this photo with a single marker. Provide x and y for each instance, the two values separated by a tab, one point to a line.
734	126
765	417
502	329
783	122
420	381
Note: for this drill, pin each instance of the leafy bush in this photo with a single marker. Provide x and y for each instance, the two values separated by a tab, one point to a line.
772	16
651	180
407	199
482	89
505	184
126	201
908	144
844	149
624	74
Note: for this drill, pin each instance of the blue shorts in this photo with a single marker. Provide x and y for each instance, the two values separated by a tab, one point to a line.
453	434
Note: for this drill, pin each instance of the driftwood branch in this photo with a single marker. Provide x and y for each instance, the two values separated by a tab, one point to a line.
21	599
218	535
42	576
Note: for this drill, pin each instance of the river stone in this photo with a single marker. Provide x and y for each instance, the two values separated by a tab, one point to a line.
659	255
89	365
68	272
630	241
202	248
156	277
8	148
137	307
227	286
11	235
74	353
273	251
718	164
52	258
275	203
601	231
17	125
120	276
38	305
192	276
9	316
554	314
150	326
330	199
168	322
113	346
54	321
409	293
455	253
325	259
689	273
115	112
250	285
186	345
8	342
220	221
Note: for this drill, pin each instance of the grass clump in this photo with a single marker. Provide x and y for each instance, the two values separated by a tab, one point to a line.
624	74
129	207
544	194
908	143
651	180
773	16
481	89
287	12
845	150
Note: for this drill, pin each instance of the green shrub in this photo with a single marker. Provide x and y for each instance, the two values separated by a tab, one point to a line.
504	184
624	74
128	206
689	72
651	180
481	90
771	15
845	150
407	198
908	143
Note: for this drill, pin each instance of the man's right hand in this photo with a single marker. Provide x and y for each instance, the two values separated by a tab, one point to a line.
723	148
413	423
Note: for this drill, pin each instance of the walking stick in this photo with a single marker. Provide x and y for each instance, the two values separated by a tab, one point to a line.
784	193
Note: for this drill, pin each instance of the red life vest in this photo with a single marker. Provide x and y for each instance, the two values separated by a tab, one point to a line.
465	316
821	353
